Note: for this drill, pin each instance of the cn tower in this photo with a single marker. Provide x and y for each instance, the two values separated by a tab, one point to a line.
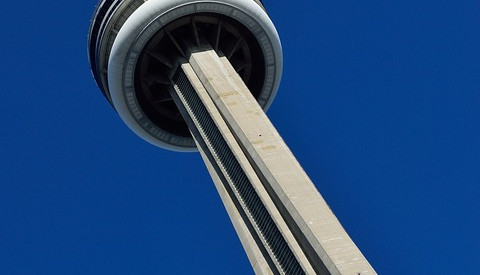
190	75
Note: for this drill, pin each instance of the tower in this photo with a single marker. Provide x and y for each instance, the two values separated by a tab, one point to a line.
197	75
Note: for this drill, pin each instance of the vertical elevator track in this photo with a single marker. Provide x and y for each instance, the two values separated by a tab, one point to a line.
250	202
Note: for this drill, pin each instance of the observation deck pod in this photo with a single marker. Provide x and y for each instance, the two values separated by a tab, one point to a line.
135	46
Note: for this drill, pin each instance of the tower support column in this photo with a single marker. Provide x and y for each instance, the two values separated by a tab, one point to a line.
284	224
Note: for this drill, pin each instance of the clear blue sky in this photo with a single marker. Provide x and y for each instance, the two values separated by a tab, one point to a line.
380	102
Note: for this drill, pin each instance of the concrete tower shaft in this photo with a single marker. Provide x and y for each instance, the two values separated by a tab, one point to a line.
284	224
134	46
187	75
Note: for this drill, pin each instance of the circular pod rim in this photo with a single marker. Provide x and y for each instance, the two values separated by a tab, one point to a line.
137	70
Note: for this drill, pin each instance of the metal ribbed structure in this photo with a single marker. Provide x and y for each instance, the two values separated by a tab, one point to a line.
247	196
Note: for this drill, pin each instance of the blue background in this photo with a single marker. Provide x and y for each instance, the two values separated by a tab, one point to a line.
379	102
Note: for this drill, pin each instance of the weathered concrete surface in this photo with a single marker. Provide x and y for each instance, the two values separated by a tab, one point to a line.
256	258
320	234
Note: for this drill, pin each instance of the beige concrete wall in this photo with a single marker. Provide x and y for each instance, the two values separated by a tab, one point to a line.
301	206
256	258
